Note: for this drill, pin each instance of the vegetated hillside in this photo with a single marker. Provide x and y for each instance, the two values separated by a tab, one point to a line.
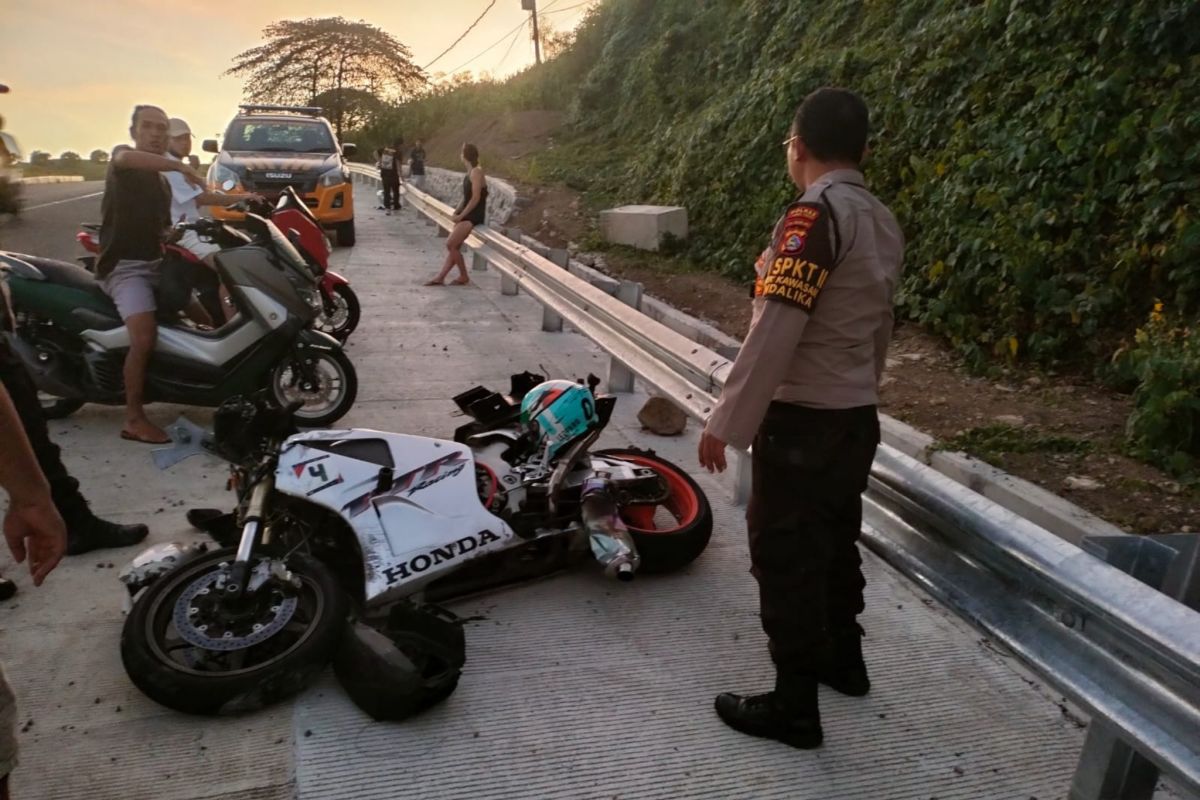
1043	158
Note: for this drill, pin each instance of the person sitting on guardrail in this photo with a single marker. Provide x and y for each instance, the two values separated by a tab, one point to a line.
804	390
136	213
470	212
35	533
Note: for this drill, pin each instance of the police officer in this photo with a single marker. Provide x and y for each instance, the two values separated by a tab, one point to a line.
803	391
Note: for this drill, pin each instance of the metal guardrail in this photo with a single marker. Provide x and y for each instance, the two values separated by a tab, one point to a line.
1126	653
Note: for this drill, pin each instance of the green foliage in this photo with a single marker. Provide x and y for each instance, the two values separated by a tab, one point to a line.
1041	158
1164	361
991	442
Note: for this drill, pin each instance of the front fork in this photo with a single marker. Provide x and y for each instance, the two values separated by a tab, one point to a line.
239	572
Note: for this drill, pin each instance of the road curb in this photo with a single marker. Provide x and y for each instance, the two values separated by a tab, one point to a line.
52	179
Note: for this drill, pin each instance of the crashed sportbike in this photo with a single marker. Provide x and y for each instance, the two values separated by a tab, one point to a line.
376	527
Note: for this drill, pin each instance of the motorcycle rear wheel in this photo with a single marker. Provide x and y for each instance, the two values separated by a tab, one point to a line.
670	534
180	675
342	313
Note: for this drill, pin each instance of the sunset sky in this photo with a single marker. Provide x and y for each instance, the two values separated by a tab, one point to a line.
76	70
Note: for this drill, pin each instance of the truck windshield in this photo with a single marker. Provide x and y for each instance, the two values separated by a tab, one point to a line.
277	136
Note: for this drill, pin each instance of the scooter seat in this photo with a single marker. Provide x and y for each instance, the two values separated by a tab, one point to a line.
64	273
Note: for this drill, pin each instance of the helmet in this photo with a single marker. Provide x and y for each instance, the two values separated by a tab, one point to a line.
558	412
410	663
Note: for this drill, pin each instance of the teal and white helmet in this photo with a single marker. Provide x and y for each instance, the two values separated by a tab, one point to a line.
558	412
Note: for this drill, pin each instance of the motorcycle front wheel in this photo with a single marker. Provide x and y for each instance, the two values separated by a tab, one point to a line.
186	647
342	313
671	530
325	382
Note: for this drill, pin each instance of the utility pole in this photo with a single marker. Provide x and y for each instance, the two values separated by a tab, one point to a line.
531	6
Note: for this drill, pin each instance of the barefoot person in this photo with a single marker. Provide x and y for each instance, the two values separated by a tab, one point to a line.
136	211
470	212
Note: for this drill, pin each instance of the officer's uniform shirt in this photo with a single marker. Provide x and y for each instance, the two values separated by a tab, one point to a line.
822	309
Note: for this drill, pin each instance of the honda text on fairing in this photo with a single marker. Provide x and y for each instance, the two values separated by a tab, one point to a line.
340	309
72	340
377	526
267	148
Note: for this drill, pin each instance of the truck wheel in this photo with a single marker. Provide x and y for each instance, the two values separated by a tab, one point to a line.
345	234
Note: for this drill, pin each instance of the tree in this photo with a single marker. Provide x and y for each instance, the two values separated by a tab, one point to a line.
554	42
330	58
357	107
69	157
39	158
99	157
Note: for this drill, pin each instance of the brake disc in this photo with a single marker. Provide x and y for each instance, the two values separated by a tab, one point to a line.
197	616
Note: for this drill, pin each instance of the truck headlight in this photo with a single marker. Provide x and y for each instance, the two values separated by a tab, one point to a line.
334	177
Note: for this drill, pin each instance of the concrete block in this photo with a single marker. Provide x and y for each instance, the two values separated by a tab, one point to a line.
643	227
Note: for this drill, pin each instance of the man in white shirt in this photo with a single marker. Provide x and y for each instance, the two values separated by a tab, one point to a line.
186	200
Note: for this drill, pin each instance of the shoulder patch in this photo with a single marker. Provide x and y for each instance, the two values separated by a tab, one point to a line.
803	258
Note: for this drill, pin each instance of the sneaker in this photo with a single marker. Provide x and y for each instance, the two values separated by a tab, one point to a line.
97	534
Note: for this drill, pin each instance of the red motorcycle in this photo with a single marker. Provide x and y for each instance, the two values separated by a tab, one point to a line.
341	307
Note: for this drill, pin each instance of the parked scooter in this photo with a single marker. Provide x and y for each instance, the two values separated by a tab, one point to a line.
71	339
340	309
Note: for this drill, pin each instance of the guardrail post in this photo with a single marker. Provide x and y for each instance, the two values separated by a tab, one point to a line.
552	322
742	473
443	233
1109	769
508	286
620	376
478	262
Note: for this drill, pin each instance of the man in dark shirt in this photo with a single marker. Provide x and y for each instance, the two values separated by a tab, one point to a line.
136	213
389	173
416	165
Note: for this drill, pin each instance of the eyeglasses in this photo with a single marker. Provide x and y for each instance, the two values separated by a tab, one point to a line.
786	142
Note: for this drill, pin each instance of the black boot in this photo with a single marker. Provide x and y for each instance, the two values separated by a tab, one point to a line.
92	533
220	525
846	671
7	589
789	714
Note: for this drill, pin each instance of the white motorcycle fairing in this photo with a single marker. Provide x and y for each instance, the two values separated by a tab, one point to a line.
423	519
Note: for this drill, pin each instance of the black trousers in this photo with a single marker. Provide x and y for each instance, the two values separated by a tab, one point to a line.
810	468
391	189
63	488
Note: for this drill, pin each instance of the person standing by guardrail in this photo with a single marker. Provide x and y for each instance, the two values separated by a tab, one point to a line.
389	174
804	390
470	212
416	165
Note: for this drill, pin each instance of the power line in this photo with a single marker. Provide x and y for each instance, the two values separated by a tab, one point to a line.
568	8
510	47
489	48
464	35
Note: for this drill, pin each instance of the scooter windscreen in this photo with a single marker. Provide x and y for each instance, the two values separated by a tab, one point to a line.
290	200
265	231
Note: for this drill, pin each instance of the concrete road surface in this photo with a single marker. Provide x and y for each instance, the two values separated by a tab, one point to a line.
51	216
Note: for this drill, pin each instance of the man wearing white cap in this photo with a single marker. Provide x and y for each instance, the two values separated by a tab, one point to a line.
187	198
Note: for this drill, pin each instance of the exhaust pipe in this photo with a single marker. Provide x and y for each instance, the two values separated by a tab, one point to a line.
608	537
